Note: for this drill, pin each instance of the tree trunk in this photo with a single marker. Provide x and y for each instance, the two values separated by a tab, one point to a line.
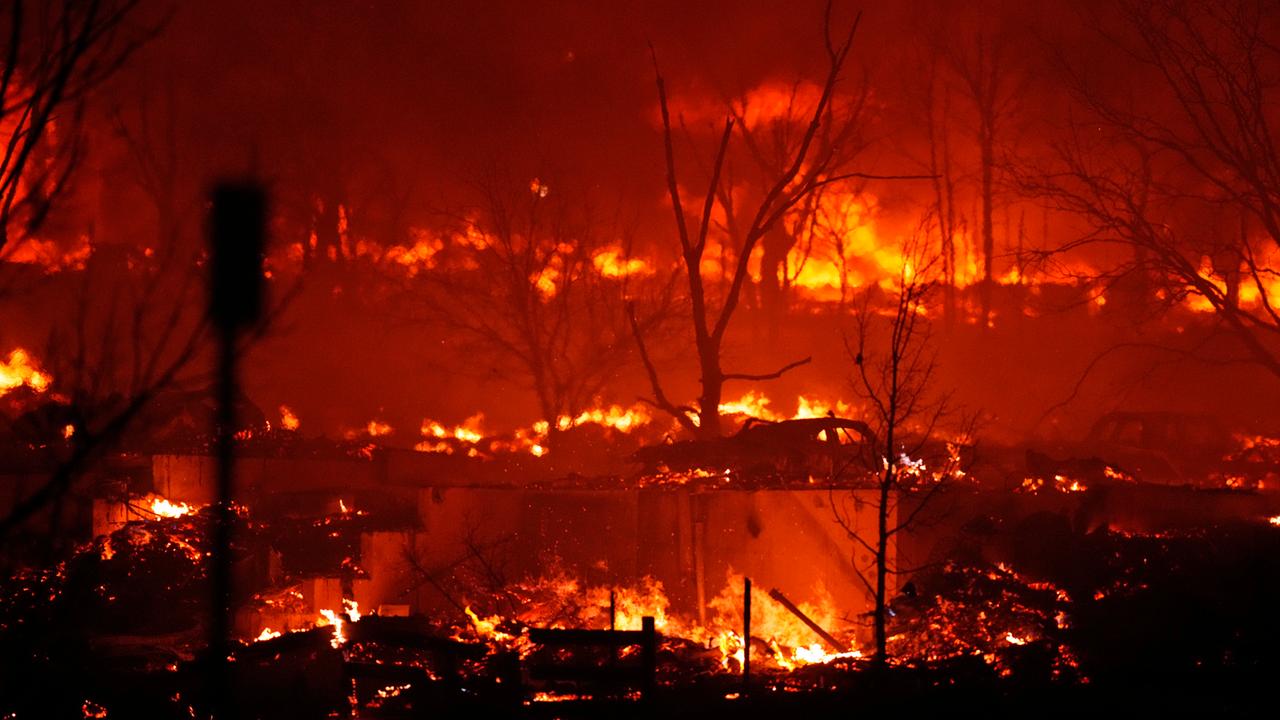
882	570
988	234
712	389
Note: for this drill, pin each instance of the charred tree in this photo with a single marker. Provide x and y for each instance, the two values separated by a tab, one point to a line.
807	168
55	55
1188	183
894	368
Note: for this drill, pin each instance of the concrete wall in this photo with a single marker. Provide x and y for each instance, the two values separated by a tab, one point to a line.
688	540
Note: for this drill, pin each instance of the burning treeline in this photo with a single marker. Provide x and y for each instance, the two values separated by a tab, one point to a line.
887	355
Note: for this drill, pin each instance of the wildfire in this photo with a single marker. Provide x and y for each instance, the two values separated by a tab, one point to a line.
21	370
288	420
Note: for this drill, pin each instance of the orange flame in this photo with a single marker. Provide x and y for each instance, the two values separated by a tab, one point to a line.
163	507
20	370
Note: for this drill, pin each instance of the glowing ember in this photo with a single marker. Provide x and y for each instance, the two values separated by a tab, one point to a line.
51	255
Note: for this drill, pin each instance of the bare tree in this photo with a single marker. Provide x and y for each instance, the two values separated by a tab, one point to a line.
770	144
894	367
1187	180
809	164
55	54
986	74
535	281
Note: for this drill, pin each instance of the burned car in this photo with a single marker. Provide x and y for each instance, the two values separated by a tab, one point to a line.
791	448
1152	447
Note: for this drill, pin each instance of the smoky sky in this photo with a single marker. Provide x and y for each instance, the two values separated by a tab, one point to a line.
412	98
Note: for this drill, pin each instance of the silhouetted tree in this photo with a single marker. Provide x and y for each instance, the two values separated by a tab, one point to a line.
55	54
894	372
533	281
806	165
1187	178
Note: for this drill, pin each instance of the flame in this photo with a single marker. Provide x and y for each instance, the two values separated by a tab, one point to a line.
757	405
613	263
807	407
1061	483
352	608
436	436
329	617
561	600
792	643
163	507
1274	520
338	620
288	420
20	370
267	634
614	416
1250	296
439	437
752	404
371	429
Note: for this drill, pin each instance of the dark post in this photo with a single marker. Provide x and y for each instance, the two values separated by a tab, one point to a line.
613	623
237	237
648	656
746	634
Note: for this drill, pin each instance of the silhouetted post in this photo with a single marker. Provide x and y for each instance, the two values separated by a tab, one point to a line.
613	623
648	656
746	634
237	232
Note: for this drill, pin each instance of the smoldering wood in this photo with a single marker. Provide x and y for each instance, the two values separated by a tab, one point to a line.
832	643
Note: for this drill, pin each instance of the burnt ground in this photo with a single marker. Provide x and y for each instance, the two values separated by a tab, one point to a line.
1172	622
